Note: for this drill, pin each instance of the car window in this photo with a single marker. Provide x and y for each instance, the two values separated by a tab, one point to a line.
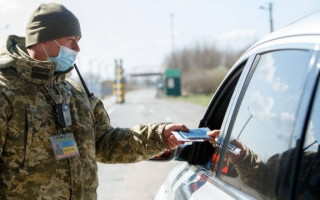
263	126
309	177
202	151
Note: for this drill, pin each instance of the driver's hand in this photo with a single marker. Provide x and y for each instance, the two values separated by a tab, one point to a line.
215	135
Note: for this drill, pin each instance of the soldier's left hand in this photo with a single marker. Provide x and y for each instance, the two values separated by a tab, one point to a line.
171	140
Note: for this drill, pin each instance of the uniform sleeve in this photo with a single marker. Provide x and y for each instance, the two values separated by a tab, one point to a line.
126	145
4	116
257	174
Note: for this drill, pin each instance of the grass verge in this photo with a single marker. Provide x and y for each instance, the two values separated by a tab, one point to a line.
202	99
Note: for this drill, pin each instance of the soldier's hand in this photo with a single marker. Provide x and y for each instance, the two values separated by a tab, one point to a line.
234	158
171	140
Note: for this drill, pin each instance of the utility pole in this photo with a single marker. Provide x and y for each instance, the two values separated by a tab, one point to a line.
172	32
172	40
270	10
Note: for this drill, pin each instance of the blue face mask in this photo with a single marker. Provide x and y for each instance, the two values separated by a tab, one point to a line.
65	58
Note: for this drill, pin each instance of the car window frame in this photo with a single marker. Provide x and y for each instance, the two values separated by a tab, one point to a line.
240	68
236	100
234	106
232	79
304	112
250	58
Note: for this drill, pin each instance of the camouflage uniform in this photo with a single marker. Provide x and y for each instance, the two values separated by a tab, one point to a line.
265	177
29	90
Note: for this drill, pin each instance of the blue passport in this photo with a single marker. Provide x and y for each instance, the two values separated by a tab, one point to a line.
196	134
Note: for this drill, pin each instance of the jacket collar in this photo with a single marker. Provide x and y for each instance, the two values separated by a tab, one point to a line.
32	70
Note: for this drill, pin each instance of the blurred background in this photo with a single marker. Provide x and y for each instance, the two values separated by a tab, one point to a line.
201	38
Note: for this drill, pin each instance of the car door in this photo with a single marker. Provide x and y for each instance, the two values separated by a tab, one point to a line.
260	106
264	124
307	180
196	180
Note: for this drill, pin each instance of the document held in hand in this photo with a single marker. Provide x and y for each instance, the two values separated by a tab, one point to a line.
195	135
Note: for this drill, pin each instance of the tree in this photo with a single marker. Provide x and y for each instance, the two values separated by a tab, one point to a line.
203	67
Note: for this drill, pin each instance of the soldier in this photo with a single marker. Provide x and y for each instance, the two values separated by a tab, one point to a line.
253	171
264	176
51	132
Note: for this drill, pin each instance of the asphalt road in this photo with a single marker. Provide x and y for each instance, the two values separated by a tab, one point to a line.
140	181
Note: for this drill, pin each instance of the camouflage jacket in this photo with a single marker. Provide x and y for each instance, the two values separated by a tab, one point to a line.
265	177
29	90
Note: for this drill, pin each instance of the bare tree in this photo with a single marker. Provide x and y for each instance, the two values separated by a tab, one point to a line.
203	67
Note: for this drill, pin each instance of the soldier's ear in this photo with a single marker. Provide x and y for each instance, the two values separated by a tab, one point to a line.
38	51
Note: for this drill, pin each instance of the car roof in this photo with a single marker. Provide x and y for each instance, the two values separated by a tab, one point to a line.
308	25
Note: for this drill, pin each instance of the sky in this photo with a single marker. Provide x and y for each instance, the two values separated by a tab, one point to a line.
144	32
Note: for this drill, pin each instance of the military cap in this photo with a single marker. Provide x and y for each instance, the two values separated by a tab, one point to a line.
51	21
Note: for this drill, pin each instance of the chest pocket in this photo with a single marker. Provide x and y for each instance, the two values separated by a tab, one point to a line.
83	124
40	125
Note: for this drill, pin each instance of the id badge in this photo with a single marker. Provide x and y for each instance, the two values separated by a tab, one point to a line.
64	146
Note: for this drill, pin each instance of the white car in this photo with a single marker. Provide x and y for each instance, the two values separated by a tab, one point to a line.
268	106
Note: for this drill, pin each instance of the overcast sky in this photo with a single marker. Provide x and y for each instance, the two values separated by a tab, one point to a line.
139	31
